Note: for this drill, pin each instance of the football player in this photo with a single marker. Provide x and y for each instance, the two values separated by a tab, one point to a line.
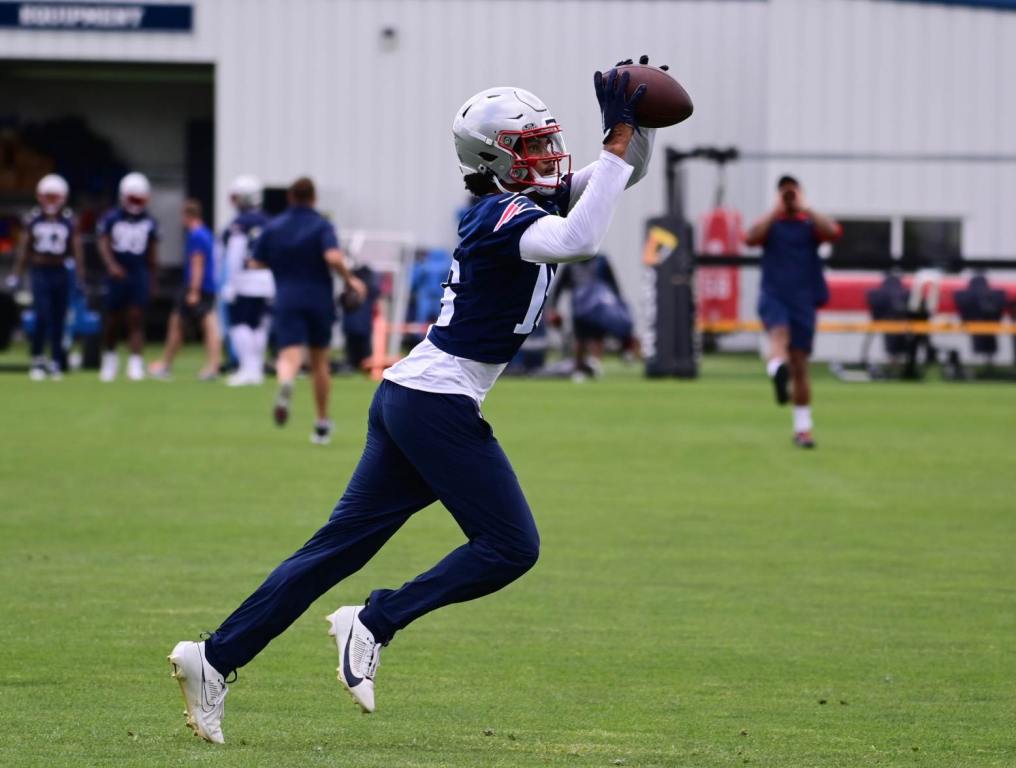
248	287
793	288
49	238
426	438
128	244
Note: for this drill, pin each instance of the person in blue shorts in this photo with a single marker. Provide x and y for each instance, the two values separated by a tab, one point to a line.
195	300
128	239
427	440
301	248
793	288
48	240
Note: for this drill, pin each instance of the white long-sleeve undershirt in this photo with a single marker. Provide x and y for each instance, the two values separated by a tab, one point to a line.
552	240
638	154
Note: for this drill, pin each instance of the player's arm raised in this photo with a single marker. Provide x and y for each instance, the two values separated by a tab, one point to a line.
552	239
826	229
638	154
759	231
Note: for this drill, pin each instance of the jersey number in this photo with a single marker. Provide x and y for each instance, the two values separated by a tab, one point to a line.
535	302
130	237
448	298
533	312
50	238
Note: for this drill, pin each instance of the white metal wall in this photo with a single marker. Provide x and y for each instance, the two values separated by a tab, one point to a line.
310	87
898	78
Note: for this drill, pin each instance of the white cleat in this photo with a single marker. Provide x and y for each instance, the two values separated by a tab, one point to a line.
109	368
245	379
135	368
359	654
37	373
204	690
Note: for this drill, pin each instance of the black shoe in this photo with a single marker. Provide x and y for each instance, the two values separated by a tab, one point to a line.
322	434
780	381
804	440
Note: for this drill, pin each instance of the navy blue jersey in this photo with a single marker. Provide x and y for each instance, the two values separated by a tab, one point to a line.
130	236
50	236
247	223
791	267
493	299
293	245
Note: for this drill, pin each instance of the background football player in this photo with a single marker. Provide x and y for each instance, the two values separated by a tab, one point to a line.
49	238
426	438
248	287
128	244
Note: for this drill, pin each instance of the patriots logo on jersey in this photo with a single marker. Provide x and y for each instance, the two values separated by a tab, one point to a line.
514	208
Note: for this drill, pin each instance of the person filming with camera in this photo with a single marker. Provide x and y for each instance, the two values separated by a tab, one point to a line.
793	288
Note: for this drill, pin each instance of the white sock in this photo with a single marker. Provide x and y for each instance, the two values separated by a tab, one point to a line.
258	345
239	337
773	364
802	418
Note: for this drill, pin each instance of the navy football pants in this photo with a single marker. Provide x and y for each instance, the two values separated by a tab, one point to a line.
421	447
50	294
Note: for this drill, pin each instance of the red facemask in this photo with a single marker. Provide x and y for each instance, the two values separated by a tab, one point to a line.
524	170
135	204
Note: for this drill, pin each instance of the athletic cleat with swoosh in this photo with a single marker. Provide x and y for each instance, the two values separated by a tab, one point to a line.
359	654
204	690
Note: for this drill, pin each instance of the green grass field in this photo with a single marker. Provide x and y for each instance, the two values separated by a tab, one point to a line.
707	595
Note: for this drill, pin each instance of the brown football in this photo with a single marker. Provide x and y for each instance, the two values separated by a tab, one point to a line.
665	101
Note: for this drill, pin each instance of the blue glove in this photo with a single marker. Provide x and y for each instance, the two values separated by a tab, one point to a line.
12	282
614	106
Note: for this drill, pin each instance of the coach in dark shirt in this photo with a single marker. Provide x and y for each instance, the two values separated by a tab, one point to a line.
302	249
793	288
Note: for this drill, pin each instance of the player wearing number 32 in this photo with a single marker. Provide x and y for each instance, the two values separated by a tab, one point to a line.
426	438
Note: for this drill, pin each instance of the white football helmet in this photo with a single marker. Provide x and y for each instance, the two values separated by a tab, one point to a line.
246	191
134	192
51	192
492	132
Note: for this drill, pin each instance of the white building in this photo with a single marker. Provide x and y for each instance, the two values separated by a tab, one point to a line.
884	109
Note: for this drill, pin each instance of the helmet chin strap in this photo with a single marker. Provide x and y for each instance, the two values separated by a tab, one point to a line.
497	183
548	190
